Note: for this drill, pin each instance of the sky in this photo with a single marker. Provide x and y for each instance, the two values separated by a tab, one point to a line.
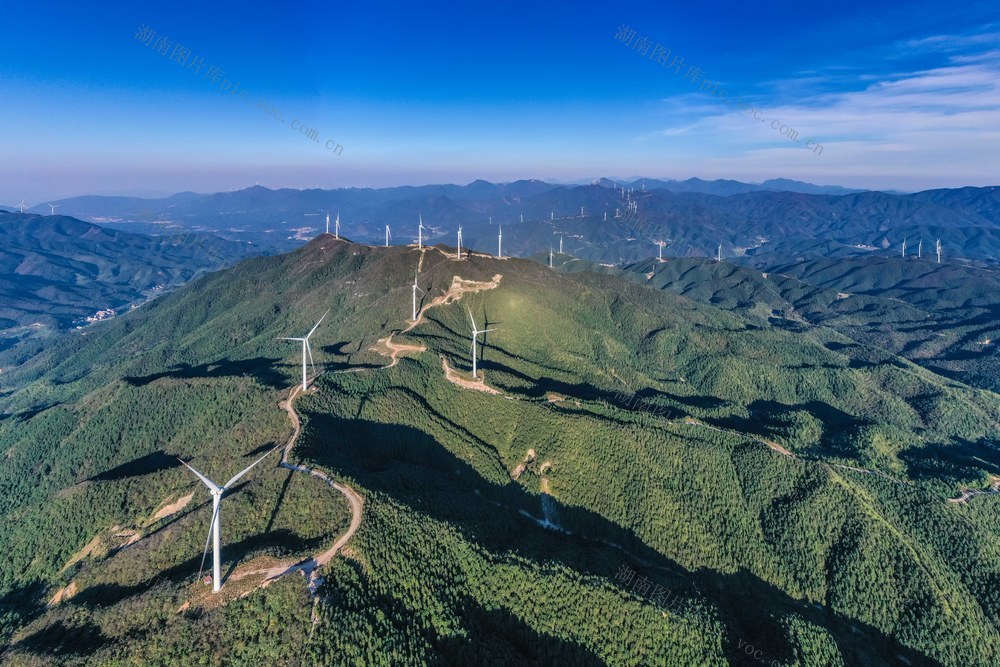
119	98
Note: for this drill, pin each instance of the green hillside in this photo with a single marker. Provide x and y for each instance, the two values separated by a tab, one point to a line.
647	477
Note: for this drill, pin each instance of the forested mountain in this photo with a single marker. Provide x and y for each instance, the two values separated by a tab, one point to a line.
662	473
55	271
605	221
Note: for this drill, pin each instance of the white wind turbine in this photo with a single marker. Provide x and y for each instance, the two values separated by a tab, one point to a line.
550	256
920	248
522	217
475	333
500	243
415	290
420	232
939	251
336	234
388	236
718	257
560	244
660	254
307	350
327	223
552	215
460	241
21	206
904	247
53	207
214	527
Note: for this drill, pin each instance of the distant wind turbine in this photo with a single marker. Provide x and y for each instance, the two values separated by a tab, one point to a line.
552	215
550	256
53	207
939	251
560	244
500	243
581	210
215	527
420	232
522	217
660	244
460	241
415	290
605	216
904	247
475	333
718	257
327	223
307	350
388	235
920	248
337	234
21	206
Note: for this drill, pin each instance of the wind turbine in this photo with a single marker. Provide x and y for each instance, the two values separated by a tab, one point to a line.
904	247
661	244
522	217
939	250
387	236
552	215
920	248
475	332
718	257
53	207
337	233
560	244
21	206
214	527
500	243
460	241
415	290
327	223
420	233
550	256
306	350
605	216
581	210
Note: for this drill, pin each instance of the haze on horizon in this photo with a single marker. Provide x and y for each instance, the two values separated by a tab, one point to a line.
900	95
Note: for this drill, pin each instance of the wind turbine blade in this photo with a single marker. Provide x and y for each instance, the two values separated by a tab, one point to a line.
205	480
208	540
299	339
309	351
248	468
471	320
317	325
486	330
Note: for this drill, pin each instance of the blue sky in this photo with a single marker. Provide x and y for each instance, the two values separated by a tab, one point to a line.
899	95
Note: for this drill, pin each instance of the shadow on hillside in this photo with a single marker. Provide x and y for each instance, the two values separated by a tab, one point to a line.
261	368
282	541
412	468
62	639
144	465
963	459
771	418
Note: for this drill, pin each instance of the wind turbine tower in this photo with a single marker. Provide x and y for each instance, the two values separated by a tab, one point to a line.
920	248
660	254
939	251
337	234
420	233
500	243
215	527
560	244
307	350
460	241
718	257
21	206
475	333
904	247
550	256
53	208
415	290
388	235
552	215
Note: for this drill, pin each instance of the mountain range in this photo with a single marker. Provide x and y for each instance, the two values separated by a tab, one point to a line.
659	464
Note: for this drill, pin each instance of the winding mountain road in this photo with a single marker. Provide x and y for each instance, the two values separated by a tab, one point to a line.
311	565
